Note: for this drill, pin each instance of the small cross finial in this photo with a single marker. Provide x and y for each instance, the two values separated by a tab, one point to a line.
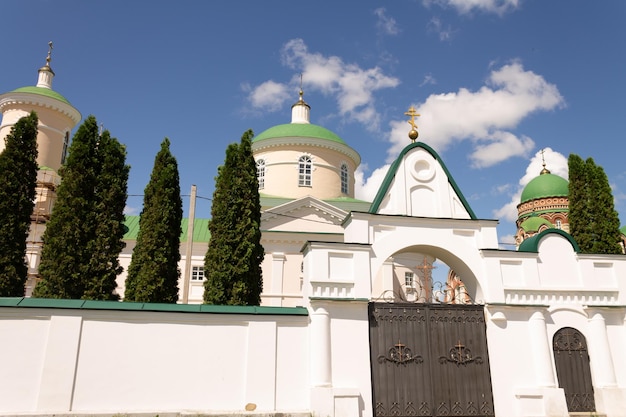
543	162
49	57
412	113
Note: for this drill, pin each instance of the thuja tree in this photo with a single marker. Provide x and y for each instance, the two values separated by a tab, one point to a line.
153	272
18	168
110	200
593	221
84	235
233	260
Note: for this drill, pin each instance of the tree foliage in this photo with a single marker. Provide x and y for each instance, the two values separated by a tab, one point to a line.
234	256
84	236
593	221
153	272
18	165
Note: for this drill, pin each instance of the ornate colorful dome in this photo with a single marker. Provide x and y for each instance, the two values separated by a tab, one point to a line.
545	185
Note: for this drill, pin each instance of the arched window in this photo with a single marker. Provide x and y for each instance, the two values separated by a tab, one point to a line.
344	178
66	144
304	171
260	173
559	225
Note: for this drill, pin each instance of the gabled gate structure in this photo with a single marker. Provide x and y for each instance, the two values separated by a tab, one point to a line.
429	360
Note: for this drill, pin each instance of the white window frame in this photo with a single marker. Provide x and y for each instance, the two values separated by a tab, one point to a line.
260	173
345	179
305	171
197	273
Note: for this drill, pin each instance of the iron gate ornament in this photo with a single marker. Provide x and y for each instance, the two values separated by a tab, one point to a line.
460	355
400	355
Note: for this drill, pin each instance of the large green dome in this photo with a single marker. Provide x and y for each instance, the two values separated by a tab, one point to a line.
545	185
299	130
42	92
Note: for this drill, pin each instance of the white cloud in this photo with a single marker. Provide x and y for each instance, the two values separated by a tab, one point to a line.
366	189
268	96
467	6
386	24
483	117
131	211
352	86
437	26
555	162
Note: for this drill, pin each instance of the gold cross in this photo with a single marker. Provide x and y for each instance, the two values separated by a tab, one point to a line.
412	113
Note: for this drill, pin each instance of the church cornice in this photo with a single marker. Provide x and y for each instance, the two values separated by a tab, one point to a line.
19	99
268	144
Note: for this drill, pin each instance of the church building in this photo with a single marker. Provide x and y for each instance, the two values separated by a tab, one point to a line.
351	322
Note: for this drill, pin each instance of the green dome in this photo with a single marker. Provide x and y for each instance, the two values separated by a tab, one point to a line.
300	130
42	92
533	224
545	185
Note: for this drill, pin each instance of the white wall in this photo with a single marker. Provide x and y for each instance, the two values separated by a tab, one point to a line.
107	361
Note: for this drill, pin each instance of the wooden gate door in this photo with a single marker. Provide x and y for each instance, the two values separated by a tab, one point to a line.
429	360
572	369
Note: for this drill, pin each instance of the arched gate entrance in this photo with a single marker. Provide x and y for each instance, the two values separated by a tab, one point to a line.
429	360
572	369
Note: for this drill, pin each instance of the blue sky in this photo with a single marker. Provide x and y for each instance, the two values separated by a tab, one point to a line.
495	81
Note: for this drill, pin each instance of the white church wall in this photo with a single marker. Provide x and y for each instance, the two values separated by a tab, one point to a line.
89	361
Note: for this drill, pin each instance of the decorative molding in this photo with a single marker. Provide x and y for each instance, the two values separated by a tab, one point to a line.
561	296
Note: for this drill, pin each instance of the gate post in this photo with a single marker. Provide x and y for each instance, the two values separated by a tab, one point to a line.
542	350
321	374
600	352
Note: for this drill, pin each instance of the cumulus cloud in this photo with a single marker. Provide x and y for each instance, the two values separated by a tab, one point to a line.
386	24
269	95
444	32
555	162
467	6
484	116
351	86
366	188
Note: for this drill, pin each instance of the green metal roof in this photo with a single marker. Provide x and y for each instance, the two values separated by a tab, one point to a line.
299	130
25	302
545	185
532	244
200	229
391	174
623	230
42	92
532	224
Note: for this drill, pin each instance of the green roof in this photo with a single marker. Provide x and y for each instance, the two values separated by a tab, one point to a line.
26	302
391	174
200	229
623	230
42	92
532	243
545	185
298	130
532	224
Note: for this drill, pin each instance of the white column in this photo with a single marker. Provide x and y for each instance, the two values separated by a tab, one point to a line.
541	350
600	352
278	272
388	278
321	373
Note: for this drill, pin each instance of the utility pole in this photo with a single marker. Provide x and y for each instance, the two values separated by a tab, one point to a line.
189	246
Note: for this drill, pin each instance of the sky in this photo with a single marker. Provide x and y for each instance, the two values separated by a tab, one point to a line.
495	82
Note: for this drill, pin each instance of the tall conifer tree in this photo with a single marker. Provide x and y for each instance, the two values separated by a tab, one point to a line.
18	168
234	256
594	223
84	235
153	272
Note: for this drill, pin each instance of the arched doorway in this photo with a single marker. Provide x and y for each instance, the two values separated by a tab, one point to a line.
572	369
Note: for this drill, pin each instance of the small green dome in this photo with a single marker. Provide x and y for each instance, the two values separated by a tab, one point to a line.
300	130
42	92
532	224
545	185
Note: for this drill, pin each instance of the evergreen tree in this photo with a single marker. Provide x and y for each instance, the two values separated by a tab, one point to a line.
233	259
153	272
84	235
593	221
111	186
18	165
